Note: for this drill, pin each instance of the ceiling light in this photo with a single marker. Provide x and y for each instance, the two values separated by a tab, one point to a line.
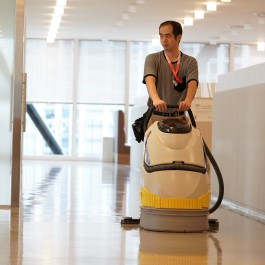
56	20
119	23
234	32
226	1
199	14
261	17
261	46
132	9
188	21
247	27
259	14
125	16
140	2
61	2
211	6
213	42
59	10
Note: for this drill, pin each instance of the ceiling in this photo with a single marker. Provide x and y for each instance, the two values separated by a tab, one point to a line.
241	21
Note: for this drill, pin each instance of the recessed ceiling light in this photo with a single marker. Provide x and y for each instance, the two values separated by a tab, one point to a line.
236	27
132	8
259	14
125	16
119	23
213	42
261	46
211	6
214	39
261	21
226	1
199	14
188	21
61	3
140	2
247	27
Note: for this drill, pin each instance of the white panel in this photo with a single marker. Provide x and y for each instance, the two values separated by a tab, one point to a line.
238	144
242	78
224	143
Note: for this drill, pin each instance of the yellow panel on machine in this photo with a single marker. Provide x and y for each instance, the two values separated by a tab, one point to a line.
149	199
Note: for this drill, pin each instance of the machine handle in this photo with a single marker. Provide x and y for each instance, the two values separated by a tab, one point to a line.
152	108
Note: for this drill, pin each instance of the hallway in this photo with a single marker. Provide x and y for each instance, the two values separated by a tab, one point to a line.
71	213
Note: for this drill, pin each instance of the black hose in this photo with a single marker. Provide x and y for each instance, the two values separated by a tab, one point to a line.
215	166
219	177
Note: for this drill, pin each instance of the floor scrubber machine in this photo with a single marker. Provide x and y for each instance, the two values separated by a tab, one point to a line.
175	189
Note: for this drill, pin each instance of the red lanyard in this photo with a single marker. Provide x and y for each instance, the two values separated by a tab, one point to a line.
174	71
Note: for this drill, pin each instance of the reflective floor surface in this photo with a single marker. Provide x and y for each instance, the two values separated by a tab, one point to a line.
71	214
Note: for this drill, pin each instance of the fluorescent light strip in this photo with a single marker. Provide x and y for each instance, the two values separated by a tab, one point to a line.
56	20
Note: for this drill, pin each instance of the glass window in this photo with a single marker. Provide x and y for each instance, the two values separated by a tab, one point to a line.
247	55
50	69
213	60
101	72
58	121
139	50
94	122
101	90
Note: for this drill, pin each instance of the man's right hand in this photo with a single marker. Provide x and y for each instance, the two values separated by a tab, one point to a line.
160	105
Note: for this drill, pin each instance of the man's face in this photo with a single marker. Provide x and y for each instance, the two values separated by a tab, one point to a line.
167	38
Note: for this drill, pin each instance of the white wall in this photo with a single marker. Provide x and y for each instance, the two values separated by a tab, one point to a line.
238	143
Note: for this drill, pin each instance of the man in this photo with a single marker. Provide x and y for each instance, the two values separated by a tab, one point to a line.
171	77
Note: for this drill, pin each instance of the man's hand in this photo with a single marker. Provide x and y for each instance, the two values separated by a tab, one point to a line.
160	105
184	105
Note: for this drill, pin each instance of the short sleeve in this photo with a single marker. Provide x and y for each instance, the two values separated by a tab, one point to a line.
150	66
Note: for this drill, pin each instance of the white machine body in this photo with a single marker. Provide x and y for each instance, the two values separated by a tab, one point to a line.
174	171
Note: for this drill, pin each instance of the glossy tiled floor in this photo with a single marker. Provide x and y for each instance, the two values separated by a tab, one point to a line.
71	212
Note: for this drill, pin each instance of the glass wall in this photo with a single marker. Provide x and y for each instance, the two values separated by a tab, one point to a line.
7	29
50	71
247	55
213	60
77	86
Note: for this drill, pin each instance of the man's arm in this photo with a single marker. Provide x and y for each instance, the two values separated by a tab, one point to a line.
191	92
159	104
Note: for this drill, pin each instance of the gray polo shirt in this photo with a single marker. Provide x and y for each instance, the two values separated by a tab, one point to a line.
156	65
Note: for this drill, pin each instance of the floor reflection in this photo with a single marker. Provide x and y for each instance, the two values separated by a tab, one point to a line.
71	213
31	198
176	248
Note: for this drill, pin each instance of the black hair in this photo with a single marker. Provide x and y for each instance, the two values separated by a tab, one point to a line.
177	28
